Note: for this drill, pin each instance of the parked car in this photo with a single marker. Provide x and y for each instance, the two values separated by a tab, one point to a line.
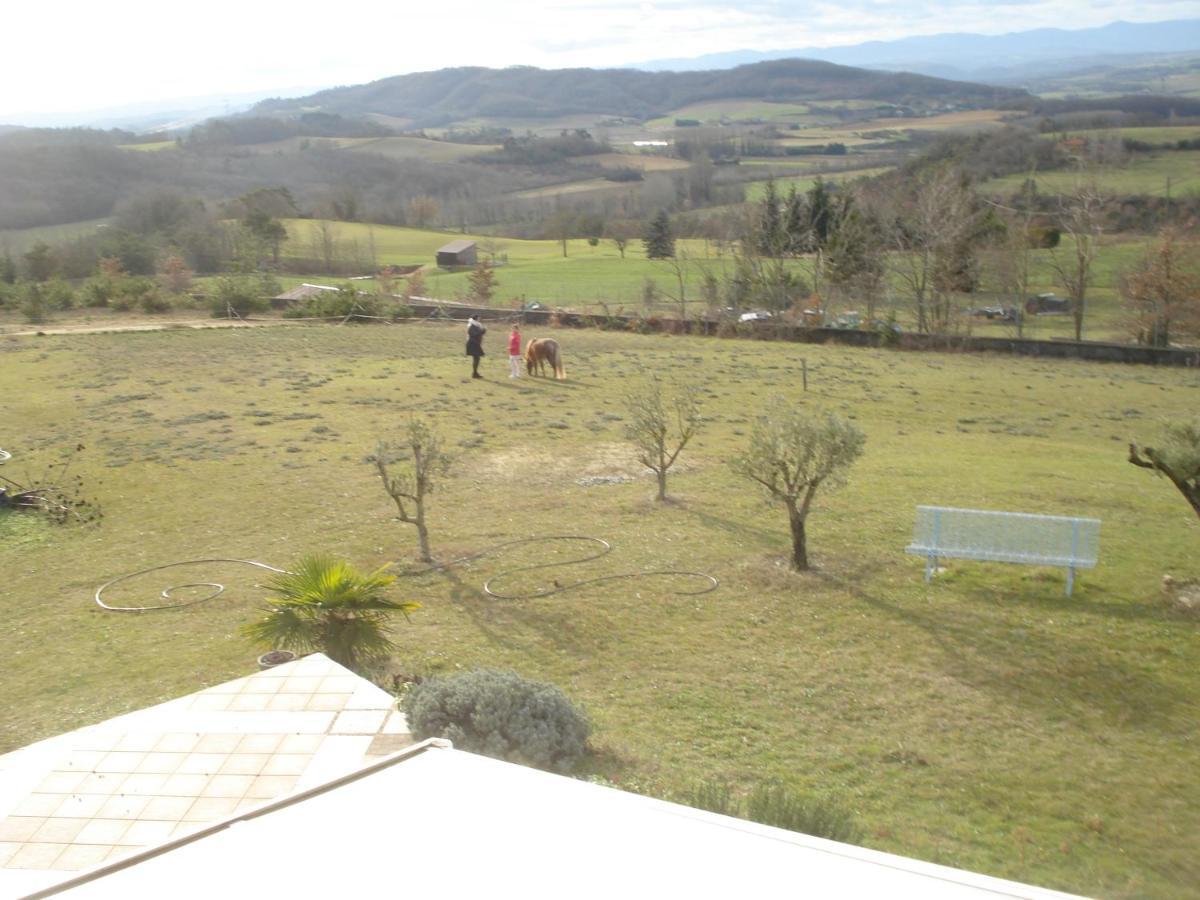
756	316
534	305
1047	305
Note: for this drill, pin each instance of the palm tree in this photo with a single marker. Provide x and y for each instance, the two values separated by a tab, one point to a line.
326	604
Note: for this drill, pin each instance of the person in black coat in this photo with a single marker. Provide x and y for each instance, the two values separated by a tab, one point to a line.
475	333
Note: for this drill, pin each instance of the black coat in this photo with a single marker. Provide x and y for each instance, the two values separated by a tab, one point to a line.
475	335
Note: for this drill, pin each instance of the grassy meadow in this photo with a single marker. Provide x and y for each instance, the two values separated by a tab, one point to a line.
984	720
589	278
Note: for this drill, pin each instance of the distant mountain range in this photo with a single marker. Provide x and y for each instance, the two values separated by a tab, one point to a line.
449	95
1015	58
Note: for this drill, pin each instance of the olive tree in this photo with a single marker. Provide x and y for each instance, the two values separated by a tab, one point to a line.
791	455
1178	460
426	463
659	428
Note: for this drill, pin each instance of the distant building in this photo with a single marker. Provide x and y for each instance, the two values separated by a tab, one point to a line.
456	253
299	295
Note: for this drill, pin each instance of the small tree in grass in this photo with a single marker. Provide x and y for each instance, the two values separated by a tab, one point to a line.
1178	460
426	464
791	455
659	428
328	605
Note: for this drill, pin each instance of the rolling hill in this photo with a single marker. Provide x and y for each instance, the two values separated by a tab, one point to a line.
435	98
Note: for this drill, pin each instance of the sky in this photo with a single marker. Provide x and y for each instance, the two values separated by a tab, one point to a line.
81	55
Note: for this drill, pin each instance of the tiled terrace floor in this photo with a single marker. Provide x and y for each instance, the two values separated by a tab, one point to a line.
99	793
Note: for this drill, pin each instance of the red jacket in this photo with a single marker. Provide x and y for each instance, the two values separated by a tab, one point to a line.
514	344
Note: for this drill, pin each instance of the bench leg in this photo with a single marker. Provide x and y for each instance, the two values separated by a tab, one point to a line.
930	562
1070	579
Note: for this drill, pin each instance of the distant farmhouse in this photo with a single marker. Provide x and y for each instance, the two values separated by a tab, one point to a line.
456	253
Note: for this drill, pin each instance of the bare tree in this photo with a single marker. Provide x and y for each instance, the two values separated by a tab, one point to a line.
424	468
1178	460
1079	216
791	455
660	428
1162	295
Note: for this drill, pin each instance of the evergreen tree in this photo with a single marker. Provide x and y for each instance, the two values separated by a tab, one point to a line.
659	241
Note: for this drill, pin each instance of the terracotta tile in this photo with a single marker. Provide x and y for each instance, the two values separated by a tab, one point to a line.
259	743
144	785
228	687
300	743
7	849
138	741
185	828
287	764
210	809
334	702
123	807
185	785
83	806
59	831
147	833
20	828
234	786
288	701
160	763
367	696
35	856
38	805
271	786
166	809
81	856
120	761
362	721
178	742
217	743
244	763
100	783
61	782
102	831
201	763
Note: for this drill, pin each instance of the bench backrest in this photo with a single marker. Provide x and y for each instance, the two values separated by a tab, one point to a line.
1006	536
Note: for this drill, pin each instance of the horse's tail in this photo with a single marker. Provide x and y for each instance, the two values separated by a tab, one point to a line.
560	371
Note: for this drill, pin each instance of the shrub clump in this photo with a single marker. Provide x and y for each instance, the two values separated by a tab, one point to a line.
771	804
502	715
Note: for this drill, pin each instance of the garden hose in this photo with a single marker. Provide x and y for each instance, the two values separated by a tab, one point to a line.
605	548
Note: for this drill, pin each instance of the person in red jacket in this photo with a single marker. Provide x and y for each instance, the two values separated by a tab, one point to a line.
514	351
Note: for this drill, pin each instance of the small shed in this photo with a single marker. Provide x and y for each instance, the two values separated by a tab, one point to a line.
299	294
456	253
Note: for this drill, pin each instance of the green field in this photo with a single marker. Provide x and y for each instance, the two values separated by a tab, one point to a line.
17	240
150	147
419	148
755	189
1146	173
589	277
983	721
1149	134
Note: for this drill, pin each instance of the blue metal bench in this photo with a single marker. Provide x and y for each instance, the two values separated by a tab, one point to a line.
1063	541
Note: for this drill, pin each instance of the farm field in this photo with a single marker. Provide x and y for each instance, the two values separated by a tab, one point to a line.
589	278
1150	134
419	148
1153	173
984	720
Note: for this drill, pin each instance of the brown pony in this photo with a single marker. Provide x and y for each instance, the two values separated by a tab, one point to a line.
539	352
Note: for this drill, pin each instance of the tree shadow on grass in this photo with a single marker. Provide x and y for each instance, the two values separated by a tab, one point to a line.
530	625
1050	672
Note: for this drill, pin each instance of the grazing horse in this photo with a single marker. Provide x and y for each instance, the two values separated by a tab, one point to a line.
539	352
